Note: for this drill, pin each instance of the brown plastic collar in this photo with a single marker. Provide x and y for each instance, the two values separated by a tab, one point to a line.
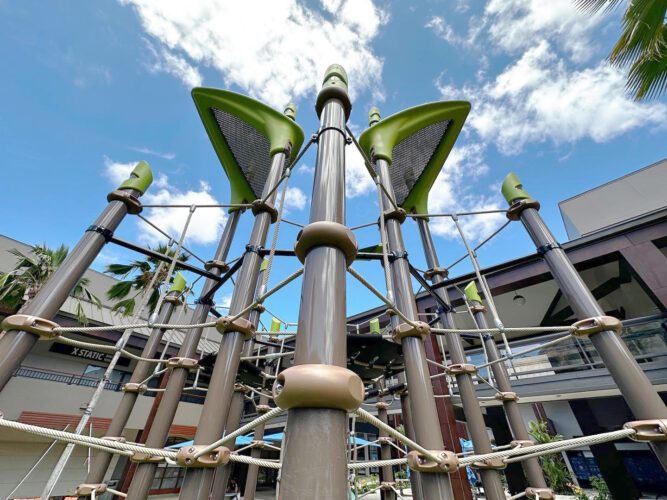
448	463
132	203
326	233
515	209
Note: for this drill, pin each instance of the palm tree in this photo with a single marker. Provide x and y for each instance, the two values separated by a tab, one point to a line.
32	271
642	45
136	278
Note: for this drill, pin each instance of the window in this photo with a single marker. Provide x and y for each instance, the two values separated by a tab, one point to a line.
97	372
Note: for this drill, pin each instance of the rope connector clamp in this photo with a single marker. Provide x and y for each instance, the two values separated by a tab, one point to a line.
506	396
596	324
261	409
420	329
106	233
461	369
220	265
227	324
490	464
521	443
86	490
515	209
41	327
540	493
449	462
261	206
398	214
145	458
135	388
187	363
186	457
429	274
648	430
132	203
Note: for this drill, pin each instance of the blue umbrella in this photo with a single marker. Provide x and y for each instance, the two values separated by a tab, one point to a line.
279	436
240	441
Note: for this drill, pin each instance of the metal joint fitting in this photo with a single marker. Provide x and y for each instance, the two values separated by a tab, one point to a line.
31	324
261	409
648	430
449	462
421	330
187	363
318	386
258	443
261	206
490	464
132	203
220	265
381	405
596	324
87	489
461	369
385	440
544	249
436	271
214	458
259	308
398	214
397	255
227	324
478	308
134	387
521	443
506	396
387	485
145	458
241	388
106	233
518	206
116	439
540	493
326	233
177	300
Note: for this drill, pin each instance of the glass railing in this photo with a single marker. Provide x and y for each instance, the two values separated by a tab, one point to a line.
646	339
64	378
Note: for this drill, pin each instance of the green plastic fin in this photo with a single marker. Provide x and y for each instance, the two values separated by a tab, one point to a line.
513	189
178	285
275	325
416	143
372	249
290	111
374	116
265	264
140	178
375	325
471	293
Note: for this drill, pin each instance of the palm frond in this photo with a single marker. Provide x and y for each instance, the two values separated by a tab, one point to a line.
647	78
643	32
125	307
592	6
119	290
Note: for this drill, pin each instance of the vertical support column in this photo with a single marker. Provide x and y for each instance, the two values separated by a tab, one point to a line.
493	486
408	424
420	390
531	466
635	387
164	416
315	448
14	344
198	482
134	387
386	472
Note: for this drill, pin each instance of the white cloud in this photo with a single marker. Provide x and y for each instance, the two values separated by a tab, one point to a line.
148	151
276	51
206	223
225	301
443	29
539	99
452	192
358	181
295	199
168	62
305	169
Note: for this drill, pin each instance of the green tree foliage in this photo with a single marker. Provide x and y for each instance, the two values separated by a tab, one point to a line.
135	279
31	271
642	46
553	465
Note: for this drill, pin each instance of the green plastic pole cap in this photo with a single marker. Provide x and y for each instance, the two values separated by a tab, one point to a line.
334	86
374	116
178	285
335	75
140	178
275	325
471	293
512	189
290	111
264	265
375	325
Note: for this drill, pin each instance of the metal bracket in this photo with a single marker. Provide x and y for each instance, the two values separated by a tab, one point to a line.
220	265
521	443
31	324
136	388
106	233
461	369
385	440
491	464
259	308
449	462
226	324
318	386
506	396
261	409
214	458
258	443
206	301
478	308
87	489
397	255
254	249
326	233
381	405
261	206
116	439
421	330
316	136
145	458
515	209
387	485
132	203
596	324
540	493
648	430
173	299
398	214
187	363
542	251
429	274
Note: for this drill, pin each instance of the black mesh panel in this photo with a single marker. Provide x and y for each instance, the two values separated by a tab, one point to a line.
411	155
251	149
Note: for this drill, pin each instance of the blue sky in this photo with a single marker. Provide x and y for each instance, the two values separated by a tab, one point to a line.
89	88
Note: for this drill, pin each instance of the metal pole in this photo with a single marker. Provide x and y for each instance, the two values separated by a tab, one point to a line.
531	466
635	387
406	412
315	448
131	391
493	486
15	345
198	482
255	452
387	472
420	390
157	436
